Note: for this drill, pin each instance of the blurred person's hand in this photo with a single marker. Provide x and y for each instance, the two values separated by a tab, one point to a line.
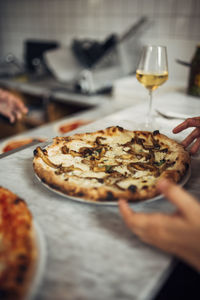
177	233
194	136
11	106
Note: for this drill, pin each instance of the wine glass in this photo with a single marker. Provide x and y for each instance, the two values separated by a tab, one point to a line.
152	71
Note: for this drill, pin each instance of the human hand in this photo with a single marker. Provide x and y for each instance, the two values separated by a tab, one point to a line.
176	233
11	106
193	136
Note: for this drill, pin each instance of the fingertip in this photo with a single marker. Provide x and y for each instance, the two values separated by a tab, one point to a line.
184	143
123	206
163	184
193	151
122	201
12	120
25	110
174	130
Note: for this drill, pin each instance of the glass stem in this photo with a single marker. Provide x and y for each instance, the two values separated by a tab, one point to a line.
149	117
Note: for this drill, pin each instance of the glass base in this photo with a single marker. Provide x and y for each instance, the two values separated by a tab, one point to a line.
146	125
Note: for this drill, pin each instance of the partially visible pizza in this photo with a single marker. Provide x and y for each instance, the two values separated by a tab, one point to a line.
72	125
16	143
18	251
111	163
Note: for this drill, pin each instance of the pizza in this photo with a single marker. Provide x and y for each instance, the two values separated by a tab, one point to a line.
111	163
17	246
13	144
69	126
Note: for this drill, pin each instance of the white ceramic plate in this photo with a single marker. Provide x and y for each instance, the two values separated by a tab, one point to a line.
177	105
40	264
110	203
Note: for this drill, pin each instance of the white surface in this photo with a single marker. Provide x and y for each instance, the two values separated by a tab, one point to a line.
91	253
178	104
40	264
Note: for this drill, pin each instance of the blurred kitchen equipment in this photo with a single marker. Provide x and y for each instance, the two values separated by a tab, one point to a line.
89	52
91	66
10	66
33	55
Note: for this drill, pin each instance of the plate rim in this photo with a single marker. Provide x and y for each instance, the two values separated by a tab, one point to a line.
183	181
40	264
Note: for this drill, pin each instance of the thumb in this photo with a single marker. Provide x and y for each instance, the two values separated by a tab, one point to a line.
185	202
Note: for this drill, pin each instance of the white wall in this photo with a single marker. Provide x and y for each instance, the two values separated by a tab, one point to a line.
175	23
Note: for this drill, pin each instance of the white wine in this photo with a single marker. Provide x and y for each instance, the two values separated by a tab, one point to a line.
151	80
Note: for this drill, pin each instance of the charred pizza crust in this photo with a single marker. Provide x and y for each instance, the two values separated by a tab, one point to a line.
17	246
111	163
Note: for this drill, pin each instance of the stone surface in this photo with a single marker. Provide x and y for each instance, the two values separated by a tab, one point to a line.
90	254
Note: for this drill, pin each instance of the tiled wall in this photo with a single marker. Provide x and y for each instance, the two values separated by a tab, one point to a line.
64	19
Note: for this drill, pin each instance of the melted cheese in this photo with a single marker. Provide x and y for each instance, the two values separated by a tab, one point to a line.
116	157
75	145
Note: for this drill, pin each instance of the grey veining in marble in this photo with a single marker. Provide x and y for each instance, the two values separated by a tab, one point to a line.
90	252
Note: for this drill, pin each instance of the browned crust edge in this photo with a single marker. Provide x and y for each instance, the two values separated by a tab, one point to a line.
106	193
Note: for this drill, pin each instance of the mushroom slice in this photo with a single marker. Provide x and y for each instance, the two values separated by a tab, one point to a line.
98	140
74	153
126	156
86	151
131	168
62	169
99	168
65	149
43	155
144	166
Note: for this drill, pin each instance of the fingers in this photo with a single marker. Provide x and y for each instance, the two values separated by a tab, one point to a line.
7	113
140	223
195	147
11	106
130	217
191	122
195	134
186	203
19	105
176	233
150	228
191	137
8	110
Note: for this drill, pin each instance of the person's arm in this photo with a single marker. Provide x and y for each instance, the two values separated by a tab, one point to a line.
11	106
194	136
178	233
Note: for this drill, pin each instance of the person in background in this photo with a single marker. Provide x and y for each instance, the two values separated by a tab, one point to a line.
178	233
11	106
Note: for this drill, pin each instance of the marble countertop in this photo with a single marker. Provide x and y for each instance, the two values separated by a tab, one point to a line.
90	254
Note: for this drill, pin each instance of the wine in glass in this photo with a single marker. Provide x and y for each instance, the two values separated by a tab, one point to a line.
152	72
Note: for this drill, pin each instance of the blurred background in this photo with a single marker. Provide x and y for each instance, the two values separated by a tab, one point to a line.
174	22
47	48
